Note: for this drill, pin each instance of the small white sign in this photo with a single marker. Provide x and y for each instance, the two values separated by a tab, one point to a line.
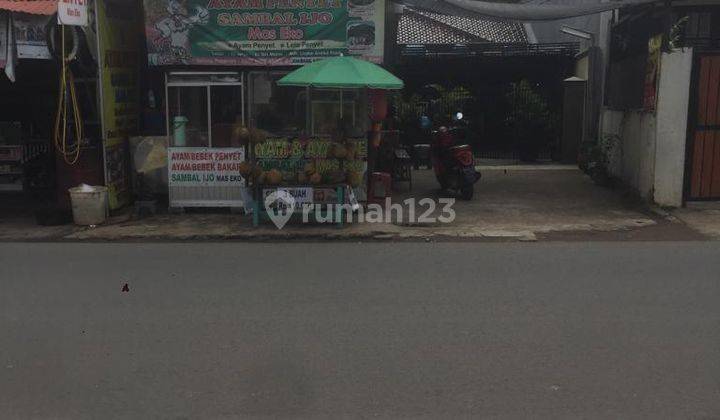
73	12
301	195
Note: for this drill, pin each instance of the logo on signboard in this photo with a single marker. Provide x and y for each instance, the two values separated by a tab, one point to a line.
280	206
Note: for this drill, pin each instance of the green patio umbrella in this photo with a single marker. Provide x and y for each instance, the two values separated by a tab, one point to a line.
342	73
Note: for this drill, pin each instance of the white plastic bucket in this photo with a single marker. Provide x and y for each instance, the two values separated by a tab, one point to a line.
89	205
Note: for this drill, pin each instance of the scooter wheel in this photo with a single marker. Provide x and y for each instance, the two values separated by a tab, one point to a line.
443	185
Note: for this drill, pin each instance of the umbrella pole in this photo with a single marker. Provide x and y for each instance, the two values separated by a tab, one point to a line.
308	113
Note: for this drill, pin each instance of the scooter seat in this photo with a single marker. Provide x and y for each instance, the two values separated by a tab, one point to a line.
461	147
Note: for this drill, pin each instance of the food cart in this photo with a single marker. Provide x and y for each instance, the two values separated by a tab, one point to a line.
205	112
327	162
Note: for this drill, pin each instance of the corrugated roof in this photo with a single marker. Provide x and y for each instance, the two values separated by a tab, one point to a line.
537	10
416	29
35	7
422	27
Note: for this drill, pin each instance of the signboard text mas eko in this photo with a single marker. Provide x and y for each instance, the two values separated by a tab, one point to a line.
73	12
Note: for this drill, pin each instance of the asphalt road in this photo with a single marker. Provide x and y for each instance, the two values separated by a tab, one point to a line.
549	330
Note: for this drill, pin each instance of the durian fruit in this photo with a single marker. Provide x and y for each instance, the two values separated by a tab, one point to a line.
351	151
316	178
245	169
309	168
339	151
274	177
244	134
256	172
354	178
302	177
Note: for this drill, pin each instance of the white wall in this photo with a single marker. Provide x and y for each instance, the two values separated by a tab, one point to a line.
672	118
634	161
640	165
651	156
611	123
582	68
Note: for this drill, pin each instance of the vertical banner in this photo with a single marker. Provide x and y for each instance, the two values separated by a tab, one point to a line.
119	31
3	38
652	73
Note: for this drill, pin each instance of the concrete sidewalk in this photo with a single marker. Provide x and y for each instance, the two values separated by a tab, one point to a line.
511	203
703	217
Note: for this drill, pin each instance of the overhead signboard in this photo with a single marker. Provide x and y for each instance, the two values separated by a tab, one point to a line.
73	12
262	32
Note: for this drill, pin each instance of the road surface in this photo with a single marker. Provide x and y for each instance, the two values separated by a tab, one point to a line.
344	330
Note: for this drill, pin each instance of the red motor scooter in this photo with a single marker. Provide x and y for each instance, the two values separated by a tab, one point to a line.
454	165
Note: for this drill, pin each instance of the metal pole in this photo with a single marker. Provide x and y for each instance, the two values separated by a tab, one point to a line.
242	96
209	111
167	112
308	113
101	88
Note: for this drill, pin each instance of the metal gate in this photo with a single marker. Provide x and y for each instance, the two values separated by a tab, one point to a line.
504	120
705	143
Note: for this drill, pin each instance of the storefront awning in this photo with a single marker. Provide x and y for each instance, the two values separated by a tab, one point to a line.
35	7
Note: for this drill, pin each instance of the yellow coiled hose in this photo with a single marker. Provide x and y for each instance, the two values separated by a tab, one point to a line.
70	153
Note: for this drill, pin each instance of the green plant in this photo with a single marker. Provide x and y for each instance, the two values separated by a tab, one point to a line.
433	101
676	33
530	118
409	109
597	156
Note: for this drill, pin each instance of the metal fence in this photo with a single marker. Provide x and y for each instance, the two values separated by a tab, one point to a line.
488	49
511	121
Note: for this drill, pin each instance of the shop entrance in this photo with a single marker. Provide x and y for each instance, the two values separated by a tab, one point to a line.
34	178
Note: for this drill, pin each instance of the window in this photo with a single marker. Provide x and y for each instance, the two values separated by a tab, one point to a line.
189	113
204	109
332	112
281	111
226	114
